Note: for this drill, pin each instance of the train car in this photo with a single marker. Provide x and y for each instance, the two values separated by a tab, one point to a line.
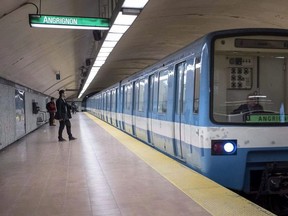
218	105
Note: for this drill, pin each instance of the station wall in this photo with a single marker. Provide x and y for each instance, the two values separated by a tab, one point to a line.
22	111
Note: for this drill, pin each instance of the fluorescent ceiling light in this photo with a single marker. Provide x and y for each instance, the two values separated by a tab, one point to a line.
113	36
134	3
92	75
98	63
101	58
103	54
109	44
123	19
106	50
119	29
90	79
83	90
95	69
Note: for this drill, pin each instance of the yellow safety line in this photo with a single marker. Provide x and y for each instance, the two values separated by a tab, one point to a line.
214	198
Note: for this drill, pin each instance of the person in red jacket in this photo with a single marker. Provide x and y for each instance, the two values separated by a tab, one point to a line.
51	108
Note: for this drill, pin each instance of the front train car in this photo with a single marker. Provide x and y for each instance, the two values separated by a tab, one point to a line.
248	136
218	106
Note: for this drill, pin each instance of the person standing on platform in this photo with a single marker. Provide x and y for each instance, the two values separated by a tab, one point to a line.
51	108
74	107
63	114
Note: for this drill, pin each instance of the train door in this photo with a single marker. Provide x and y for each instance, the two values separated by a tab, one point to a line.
140	108
134	102
113	107
128	108
179	132
109	120
150	108
123	104
120	96
104	107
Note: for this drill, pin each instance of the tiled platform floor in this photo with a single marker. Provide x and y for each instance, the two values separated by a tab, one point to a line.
93	175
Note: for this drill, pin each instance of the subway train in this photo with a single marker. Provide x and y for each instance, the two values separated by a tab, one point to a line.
188	106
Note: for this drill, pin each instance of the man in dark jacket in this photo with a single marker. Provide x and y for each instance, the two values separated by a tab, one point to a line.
63	115
252	105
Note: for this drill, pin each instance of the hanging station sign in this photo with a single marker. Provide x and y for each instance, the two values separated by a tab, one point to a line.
68	22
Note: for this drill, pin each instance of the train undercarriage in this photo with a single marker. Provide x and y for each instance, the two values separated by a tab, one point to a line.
272	193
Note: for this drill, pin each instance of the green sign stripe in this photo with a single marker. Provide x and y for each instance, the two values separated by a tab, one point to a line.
267	118
69	20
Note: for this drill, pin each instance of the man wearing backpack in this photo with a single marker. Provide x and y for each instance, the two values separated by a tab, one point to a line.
51	108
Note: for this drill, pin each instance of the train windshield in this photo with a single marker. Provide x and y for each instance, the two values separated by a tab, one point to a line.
250	80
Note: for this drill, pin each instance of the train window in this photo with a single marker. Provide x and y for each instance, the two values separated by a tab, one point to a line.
108	100
184	87
196	85
151	92
128	96
140	95
162	92
135	95
113	105
104	101
101	102
249	83
123	98
180	87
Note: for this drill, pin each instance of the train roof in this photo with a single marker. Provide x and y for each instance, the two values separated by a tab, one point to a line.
195	47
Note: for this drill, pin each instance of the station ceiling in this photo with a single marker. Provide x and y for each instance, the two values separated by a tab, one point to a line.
32	56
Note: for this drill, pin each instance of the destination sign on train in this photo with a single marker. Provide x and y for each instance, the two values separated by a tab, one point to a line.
68	22
259	43
272	118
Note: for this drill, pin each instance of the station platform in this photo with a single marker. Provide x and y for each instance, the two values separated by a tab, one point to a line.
105	172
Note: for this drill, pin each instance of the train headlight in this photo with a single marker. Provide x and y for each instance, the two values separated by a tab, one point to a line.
229	147
223	147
